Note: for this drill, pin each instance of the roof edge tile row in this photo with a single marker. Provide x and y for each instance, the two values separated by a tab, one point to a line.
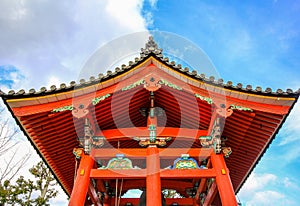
151	50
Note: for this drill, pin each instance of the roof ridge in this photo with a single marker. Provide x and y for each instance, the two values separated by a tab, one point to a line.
152	49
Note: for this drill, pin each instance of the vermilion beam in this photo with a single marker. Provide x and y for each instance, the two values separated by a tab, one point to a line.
144	132
169	201
82	181
271	107
141	173
142	152
38	108
223	181
86	95
191	173
198	153
111	152
211	194
120	173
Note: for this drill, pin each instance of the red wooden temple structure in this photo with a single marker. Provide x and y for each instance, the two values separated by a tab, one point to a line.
151	125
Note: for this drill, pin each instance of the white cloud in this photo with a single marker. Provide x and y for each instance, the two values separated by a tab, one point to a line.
153	3
48	42
266	198
241	45
43	38
257	181
59	200
257	190
127	13
290	184
289	135
290	154
53	80
149	18
291	129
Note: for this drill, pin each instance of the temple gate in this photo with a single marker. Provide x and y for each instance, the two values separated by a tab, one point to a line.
151	125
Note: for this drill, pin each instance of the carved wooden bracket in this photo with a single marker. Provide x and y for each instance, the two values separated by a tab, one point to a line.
89	139
215	139
78	152
159	141
224	110
152	82
80	110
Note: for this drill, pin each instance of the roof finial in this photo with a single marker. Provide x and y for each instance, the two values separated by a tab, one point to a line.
151	44
151	47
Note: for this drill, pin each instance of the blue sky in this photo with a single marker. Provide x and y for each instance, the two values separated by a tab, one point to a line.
252	42
256	43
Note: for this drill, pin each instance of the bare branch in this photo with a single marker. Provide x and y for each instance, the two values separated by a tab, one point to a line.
11	165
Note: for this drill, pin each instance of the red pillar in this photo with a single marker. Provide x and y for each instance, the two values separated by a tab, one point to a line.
153	182
82	181
223	181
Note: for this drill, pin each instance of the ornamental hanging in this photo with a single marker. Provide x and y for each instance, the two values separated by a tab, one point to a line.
185	162
119	162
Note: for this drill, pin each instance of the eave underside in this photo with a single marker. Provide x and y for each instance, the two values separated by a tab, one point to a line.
55	134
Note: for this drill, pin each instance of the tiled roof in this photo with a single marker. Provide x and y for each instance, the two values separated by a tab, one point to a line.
151	49
250	132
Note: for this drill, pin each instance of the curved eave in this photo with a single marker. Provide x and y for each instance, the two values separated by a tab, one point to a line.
255	163
53	90
65	95
64	187
106	83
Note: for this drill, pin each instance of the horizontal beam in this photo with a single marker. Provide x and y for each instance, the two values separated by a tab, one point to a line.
177	152
179	201
188	173
139	153
120	173
169	201
141	173
120	133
